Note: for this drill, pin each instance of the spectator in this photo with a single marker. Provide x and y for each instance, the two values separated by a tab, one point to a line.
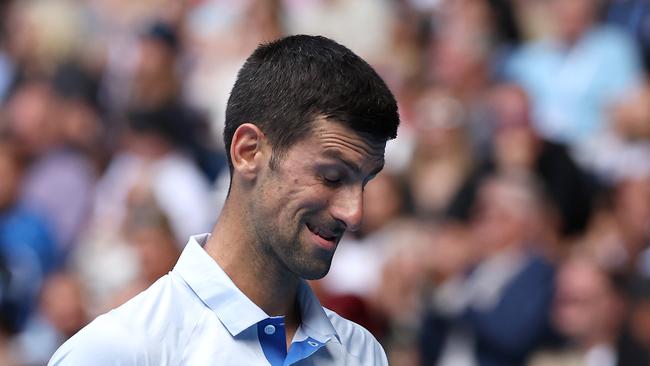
61	313
148	230
575	75
59	179
516	146
157	89
589	312
442	160
151	158
149	165
476	316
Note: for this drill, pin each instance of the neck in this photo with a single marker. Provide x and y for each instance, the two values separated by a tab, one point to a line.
253	270
595	341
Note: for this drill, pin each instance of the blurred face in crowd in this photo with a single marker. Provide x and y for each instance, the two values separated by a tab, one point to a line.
148	229
155	58
451	252
302	206
439	122
586	308
461	48
156	249
504	214
457	60
514	140
29	116
572	18
382	202
79	123
62	304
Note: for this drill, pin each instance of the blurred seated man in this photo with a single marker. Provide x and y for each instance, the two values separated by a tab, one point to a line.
492	308
589	311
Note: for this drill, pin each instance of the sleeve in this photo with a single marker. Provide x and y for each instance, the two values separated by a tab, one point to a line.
380	354
367	349
102	343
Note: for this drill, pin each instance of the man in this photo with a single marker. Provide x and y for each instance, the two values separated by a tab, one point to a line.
306	126
588	311
575	76
475	316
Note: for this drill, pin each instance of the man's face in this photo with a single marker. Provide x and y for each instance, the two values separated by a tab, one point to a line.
573	17
304	204
585	306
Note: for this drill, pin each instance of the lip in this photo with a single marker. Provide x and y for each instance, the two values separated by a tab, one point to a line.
322	242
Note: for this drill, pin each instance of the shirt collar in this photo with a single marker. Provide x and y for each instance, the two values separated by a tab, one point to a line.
213	286
314	322
236	311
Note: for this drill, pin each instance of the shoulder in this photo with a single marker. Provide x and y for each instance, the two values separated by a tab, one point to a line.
103	342
531	57
543	47
541	265
146	330
357	341
613	34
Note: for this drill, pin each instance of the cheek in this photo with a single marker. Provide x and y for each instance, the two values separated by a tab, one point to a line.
304	196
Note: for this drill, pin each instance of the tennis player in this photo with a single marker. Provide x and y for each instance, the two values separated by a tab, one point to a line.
306	126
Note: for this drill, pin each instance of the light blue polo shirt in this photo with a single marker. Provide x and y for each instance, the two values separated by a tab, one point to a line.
195	315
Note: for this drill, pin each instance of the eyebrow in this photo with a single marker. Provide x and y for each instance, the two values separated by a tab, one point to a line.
336	154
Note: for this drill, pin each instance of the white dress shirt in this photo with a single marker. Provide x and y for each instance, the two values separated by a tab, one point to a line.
195	315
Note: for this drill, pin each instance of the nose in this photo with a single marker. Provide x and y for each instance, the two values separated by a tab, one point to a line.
348	207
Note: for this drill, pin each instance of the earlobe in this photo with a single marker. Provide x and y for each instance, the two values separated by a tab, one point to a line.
245	150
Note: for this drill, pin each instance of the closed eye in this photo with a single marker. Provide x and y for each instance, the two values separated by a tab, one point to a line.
332	180
333	177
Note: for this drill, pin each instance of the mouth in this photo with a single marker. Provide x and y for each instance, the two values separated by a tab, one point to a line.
323	237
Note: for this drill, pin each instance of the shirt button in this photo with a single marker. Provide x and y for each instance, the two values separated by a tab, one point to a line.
269	329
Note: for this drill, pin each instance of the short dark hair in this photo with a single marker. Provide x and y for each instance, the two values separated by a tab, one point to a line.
284	85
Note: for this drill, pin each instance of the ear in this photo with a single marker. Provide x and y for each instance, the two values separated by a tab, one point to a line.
248	151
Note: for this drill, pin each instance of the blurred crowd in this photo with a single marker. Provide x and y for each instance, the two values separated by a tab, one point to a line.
511	225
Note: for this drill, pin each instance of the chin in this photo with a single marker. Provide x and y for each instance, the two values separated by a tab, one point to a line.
315	276
313	272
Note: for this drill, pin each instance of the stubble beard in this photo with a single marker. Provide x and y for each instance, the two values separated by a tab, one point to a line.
287	252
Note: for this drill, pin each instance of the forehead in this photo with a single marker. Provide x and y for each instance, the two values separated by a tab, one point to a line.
334	139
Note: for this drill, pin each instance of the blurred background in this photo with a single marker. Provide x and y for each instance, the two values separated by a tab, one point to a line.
511	224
